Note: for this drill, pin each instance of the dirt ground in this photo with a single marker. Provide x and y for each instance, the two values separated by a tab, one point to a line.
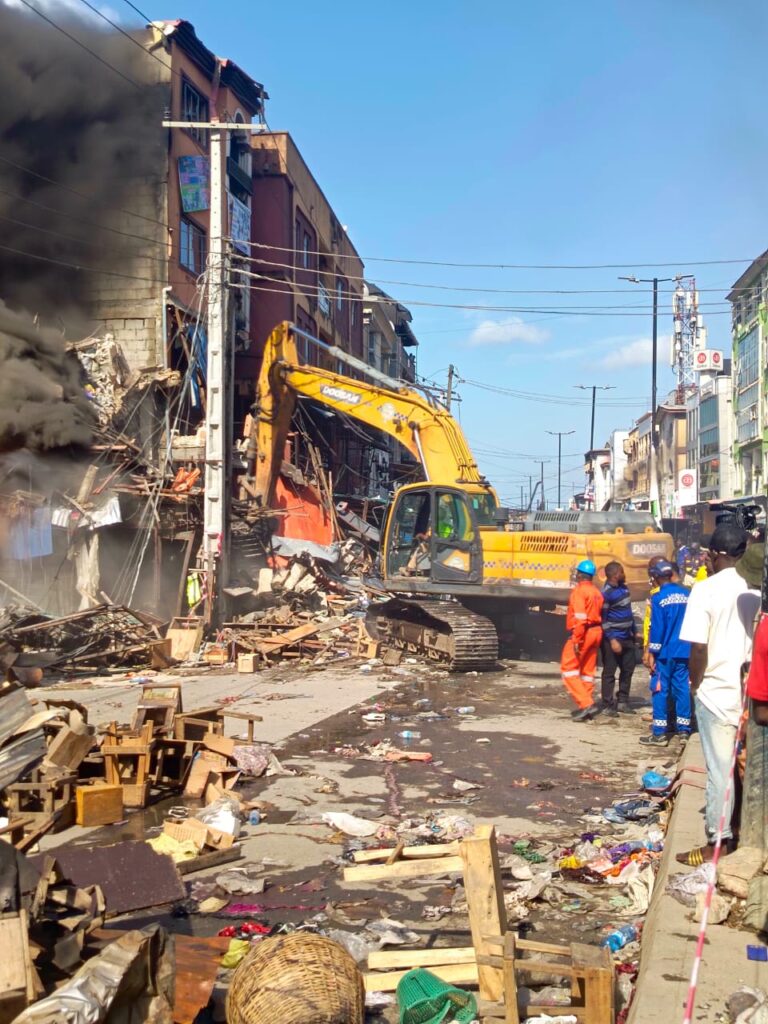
542	778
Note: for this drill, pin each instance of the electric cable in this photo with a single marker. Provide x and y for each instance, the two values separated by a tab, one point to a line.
81	44
514	266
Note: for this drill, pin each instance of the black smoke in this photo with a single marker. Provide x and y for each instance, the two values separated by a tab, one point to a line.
43	405
77	141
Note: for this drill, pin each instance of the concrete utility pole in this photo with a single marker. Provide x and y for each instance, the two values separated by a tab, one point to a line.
449	388
560	434
653	487
542	500
594	388
218	418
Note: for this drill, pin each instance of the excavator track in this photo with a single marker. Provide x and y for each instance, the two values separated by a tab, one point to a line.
443	631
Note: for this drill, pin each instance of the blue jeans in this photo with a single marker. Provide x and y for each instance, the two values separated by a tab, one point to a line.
670	679
717	740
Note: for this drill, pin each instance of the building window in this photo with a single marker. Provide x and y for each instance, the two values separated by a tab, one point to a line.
748	369
353	313
194	107
192	247
339	295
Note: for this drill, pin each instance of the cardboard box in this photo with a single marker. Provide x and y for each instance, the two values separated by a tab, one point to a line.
247	662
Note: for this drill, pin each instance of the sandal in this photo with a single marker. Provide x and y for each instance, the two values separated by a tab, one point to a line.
696	857
703	854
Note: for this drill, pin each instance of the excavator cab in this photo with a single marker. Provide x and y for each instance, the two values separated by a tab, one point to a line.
433	536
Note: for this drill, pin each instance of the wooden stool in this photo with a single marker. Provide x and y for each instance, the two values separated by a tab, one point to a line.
44	796
128	763
244	716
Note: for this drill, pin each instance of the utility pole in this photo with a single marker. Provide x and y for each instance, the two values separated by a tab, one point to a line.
542	499
653	487
214	554
560	434
449	388
522	498
594	388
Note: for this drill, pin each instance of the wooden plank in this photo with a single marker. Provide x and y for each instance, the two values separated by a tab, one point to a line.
17	986
209	860
485	902
511	1014
433	850
404	869
390	959
275	643
395	855
455	974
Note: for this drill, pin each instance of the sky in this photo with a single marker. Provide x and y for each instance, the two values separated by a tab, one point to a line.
524	133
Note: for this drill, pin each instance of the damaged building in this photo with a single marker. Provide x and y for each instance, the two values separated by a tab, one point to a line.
104	333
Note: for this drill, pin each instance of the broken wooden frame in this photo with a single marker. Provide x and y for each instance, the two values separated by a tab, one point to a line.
496	955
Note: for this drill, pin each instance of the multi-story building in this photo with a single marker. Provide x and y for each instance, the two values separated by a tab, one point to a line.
637	448
310	274
748	331
390	346
154	316
672	453
710	435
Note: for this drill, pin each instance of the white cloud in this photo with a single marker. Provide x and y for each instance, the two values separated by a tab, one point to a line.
507	332
627	353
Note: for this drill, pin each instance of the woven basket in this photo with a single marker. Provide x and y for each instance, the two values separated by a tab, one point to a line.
301	978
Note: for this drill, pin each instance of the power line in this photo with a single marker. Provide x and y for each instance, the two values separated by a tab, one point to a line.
512	266
447	287
584	311
83	241
82	220
130	38
82	195
76	266
81	44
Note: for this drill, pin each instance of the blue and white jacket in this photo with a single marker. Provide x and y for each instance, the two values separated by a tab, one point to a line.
667	613
618	620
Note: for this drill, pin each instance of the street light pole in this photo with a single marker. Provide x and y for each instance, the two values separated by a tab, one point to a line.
560	434
653	488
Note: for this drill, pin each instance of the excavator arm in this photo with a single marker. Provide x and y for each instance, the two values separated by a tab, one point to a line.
425	428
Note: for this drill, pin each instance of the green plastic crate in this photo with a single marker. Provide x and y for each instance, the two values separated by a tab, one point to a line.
424	999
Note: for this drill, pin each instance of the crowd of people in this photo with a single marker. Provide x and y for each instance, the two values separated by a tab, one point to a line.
696	643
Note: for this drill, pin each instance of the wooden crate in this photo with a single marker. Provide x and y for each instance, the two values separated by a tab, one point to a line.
186	635
99	804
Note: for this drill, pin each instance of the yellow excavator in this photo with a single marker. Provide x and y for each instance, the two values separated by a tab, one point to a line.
457	574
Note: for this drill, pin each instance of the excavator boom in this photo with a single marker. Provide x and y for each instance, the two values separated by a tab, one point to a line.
420	424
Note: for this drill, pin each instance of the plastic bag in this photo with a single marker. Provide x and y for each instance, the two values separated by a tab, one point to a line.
223	814
684	886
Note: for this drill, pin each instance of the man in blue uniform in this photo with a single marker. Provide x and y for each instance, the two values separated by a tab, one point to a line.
619	641
668	656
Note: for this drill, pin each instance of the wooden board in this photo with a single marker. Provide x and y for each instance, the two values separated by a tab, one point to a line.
98	805
428	850
186	635
415	868
485	902
17	978
389	959
292	636
455	974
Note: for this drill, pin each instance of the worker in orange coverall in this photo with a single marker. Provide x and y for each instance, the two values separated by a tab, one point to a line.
579	658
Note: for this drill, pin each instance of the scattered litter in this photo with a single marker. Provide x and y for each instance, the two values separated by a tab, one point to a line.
685	885
349	824
462	786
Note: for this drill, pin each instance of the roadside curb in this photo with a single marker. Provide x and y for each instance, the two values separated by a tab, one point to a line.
669	933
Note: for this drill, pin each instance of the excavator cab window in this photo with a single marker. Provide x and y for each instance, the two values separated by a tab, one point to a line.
408	553
484	506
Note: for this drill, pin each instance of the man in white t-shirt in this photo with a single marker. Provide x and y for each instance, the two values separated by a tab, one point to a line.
719	622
